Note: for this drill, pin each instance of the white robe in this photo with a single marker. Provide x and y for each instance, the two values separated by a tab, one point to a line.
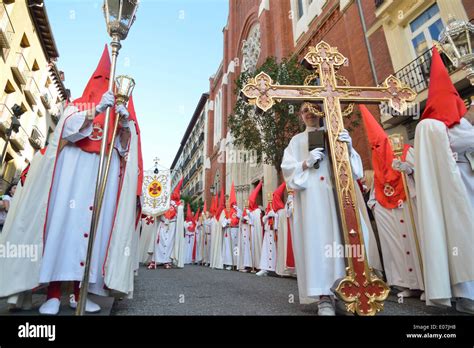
148	237
189	237
315	219
268	258
199	242
206	245
65	206
282	245
244	243
70	211
216	244
164	240
445	210
398	243
178	252
256	236
229	244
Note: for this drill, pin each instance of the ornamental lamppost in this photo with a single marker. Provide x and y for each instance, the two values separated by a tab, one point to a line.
457	40
119	17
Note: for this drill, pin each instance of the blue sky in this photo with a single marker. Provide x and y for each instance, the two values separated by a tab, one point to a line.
171	51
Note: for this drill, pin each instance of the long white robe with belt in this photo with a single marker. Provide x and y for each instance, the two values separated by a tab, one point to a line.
206	246
315	219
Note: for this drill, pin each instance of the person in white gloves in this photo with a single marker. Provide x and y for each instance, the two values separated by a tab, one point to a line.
315	219
62	187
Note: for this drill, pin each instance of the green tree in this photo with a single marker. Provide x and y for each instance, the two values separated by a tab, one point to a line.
268	133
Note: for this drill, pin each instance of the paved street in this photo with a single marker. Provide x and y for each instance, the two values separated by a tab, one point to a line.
197	290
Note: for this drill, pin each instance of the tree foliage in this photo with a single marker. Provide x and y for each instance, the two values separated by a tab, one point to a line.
268	133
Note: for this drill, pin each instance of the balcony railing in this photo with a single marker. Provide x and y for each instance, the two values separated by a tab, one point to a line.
36	138
47	98
6	28
201	138
20	68
31	90
18	140
416	74
5	118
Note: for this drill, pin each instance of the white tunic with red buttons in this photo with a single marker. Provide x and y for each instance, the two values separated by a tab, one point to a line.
268	258
164	242
245	243
70	211
397	241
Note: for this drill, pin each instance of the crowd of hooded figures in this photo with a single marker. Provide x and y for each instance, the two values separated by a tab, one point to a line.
420	239
421	251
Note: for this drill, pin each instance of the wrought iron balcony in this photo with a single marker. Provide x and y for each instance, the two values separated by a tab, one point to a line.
416	74
20	68
6	28
31	90
36	138
47	98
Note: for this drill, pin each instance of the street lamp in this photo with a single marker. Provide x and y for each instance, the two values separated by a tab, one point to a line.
457	40
14	128
119	17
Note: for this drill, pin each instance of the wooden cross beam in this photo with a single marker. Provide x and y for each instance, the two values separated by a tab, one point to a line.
361	290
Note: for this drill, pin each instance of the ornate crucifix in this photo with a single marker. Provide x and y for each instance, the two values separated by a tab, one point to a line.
361	290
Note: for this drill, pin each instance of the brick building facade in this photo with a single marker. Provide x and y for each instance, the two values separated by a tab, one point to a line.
379	38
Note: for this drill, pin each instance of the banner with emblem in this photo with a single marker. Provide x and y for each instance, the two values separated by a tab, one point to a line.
156	192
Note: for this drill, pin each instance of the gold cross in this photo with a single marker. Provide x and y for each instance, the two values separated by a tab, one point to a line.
361	290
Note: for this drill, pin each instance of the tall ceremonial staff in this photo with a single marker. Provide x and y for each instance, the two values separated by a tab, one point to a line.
119	17
396	140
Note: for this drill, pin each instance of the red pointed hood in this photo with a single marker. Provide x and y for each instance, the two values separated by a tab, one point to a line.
176	195
98	83
253	196
277	199
269	207
196	216
444	103
189	214
232	196
221	206
382	157
213	208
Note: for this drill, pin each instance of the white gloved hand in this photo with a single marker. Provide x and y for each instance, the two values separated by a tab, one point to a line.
122	111
289	206
270	214
346	138
315	156
402	166
107	100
